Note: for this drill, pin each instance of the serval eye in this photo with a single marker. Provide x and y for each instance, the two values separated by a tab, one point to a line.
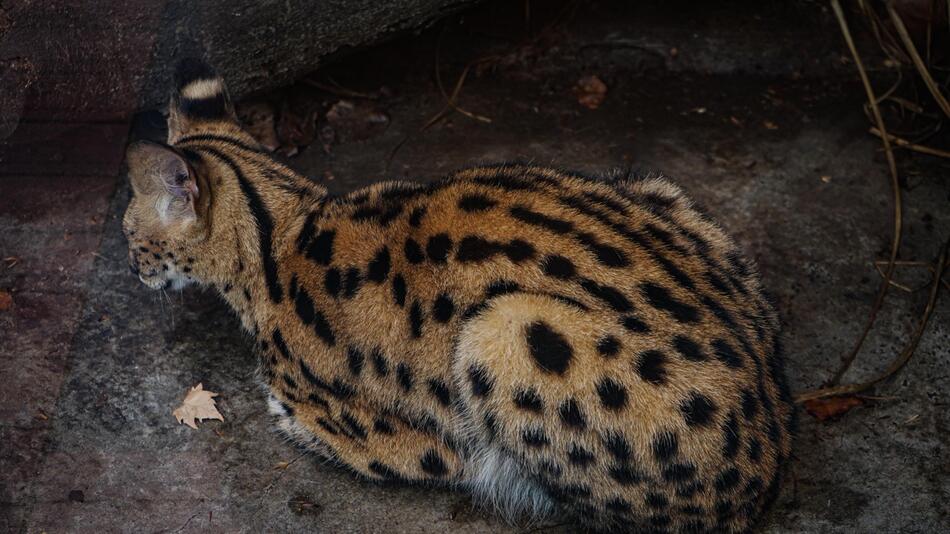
582	334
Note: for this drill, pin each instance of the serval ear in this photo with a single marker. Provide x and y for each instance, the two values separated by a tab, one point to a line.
199	96
158	171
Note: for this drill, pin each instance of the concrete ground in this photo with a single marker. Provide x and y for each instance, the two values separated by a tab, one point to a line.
93	363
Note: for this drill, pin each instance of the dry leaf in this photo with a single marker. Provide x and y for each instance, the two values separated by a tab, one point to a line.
832	407
590	92
198	404
6	300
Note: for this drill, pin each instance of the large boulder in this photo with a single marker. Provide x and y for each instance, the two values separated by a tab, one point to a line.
101	61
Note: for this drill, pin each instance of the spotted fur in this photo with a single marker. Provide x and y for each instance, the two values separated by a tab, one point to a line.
544	340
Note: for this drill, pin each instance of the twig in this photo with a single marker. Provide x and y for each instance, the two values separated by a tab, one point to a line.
904	143
449	99
900	361
902	287
895	191
928	265
339	90
918	62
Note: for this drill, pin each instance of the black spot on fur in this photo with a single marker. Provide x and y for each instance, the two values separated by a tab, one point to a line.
660	298
687	491
501	287
580	456
443	308
384	471
306	231
755	450
355	360
291	383
617	446
416	215
726	354
475	249
482	382
679	472
656	500
608	346
381	426
730	431
399	290
611	296
528	399
322	327
518	250
625	474
365	213
378	268
754	487
549	349
774	432
534	218
617	505
415	319
281	345
728	479
534	437
440	391
321	248
607	202
697	409
332	282
692	509
354	425
665	445
558	267
328	426
571	415
612	395
476	202
605	254
438	248
380	363
660	521
413	251
633	324
404	376
303	305
433	464
651	367
688	348
352	282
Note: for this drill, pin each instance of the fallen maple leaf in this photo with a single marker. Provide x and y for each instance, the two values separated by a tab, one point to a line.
198	404
6	300
590	92
832	407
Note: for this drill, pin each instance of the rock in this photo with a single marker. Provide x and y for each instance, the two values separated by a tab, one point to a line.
101	61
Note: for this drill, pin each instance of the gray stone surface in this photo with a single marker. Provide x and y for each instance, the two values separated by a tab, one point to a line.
63	61
127	355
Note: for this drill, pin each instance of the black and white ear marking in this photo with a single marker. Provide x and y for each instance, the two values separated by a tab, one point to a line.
200	94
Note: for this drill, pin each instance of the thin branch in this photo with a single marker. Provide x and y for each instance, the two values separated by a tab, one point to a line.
900	361
918	62
895	191
904	143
